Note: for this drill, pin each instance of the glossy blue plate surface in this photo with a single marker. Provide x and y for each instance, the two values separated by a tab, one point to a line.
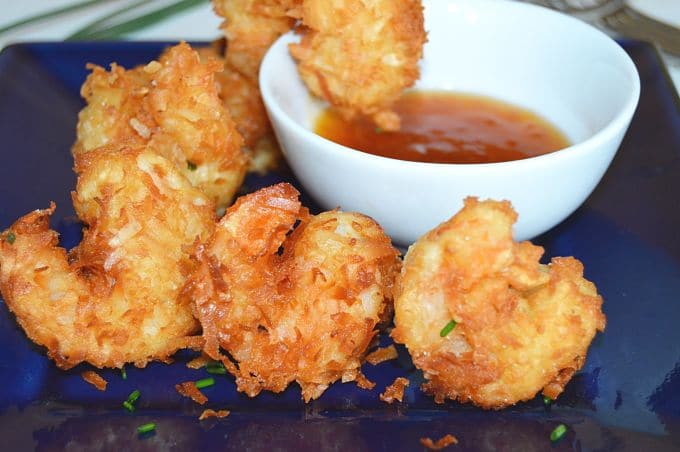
627	397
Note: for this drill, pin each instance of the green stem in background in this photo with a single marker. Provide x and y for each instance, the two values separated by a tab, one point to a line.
50	14
93	27
110	28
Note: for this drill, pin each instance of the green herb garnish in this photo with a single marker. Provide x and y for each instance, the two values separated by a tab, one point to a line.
448	328
123	373
547	401
191	165
146	428
558	433
134	395
129	404
11	237
378	130
204	383
216	368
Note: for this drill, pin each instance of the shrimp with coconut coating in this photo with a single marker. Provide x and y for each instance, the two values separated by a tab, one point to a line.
484	320
291	303
241	97
360	55
172	105
104	302
251	27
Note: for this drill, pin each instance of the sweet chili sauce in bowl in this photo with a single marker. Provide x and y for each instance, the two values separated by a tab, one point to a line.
547	62
448	127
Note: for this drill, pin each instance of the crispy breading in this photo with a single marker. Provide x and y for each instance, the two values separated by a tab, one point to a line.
520	326
360	55
440	444
208	413
114	298
382	354
188	389
94	379
291	303
172	105
199	362
242	99
395	391
251	27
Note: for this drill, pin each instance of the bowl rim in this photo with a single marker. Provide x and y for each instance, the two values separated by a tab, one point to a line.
614	126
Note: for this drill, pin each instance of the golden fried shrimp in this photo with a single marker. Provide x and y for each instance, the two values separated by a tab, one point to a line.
241	97
484	320
114	299
360	55
251	27
291	306
172	105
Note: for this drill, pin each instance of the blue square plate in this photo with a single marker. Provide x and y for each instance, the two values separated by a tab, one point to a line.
627	397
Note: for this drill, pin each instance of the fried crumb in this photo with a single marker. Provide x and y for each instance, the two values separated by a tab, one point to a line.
189	389
363	382
441	443
199	362
382	354
212	413
94	379
395	391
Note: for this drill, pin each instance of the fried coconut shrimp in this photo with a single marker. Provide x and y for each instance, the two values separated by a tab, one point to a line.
359	55
172	105
114	299
251	27
484	320
241	97
291	303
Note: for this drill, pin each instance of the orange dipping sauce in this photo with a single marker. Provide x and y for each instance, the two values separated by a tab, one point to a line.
446	127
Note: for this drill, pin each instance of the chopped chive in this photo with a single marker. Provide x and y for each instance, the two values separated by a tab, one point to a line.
134	395
378	130
191	165
216	368
204	383
146	428
129	404
123	373
448	328
558	433
547	401
11	237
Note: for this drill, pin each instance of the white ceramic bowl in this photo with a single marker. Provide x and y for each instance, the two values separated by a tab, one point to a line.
563	69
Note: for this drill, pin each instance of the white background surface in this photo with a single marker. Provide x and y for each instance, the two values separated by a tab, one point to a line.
201	23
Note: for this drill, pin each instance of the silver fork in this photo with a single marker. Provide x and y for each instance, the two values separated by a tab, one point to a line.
615	16
633	25
571	6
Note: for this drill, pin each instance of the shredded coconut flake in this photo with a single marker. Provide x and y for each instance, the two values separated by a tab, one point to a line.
140	128
152	67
